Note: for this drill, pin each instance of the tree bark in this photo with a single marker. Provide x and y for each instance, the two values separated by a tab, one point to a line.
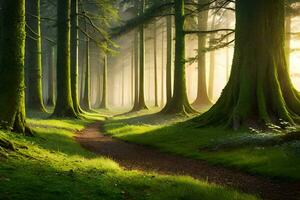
74	56
86	105
179	103
104	84
50	100
141	102
136	72
12	84
288	22
259	91
202	99
33	53
64	103
169	59
155	65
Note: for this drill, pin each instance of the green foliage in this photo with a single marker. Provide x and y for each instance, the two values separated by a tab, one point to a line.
53	166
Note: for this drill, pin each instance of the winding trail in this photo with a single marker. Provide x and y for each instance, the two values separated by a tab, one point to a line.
133	156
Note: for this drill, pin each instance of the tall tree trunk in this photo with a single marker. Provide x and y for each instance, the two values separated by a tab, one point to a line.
51	65
259	91
136	72
169	59
104	84
34	94
155	65
179	102
12	46
86	105
64	103
212	63
162	68
74	55
123	83
202	99
142	103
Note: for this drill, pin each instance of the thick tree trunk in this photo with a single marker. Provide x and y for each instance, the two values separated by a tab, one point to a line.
169	59
202	99
259	91
12	46
74	56
155	65
64	103
51	65
34	94
179	103
104	84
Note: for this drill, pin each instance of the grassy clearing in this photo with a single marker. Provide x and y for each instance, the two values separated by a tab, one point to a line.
248	151
53	166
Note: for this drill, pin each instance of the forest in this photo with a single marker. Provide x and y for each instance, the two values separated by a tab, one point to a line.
150	99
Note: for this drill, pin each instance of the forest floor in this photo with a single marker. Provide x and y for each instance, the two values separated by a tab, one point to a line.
52	165
269	159
133	156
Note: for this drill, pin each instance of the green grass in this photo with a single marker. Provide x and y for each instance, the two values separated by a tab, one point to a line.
183	138
52	165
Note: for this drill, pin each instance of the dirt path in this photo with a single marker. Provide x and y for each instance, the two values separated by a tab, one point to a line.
132	156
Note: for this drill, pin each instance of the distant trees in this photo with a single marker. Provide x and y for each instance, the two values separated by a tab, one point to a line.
12	85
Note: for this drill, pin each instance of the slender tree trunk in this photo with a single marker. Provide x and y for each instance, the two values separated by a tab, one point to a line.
64	103
179	103
123	83
212	63
74	55
132	75
259	91
162	68
136	72
12	46
104	84
169	59
34	57
50	100
202	99
86	103
142	103
155	66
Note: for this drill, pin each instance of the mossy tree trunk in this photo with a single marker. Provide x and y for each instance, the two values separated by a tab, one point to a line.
259	91
51	65
86	105
34	96
169	59
64	103
74	55
103	104
202	99
141	102
288	23
136	72
179	104
12	47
